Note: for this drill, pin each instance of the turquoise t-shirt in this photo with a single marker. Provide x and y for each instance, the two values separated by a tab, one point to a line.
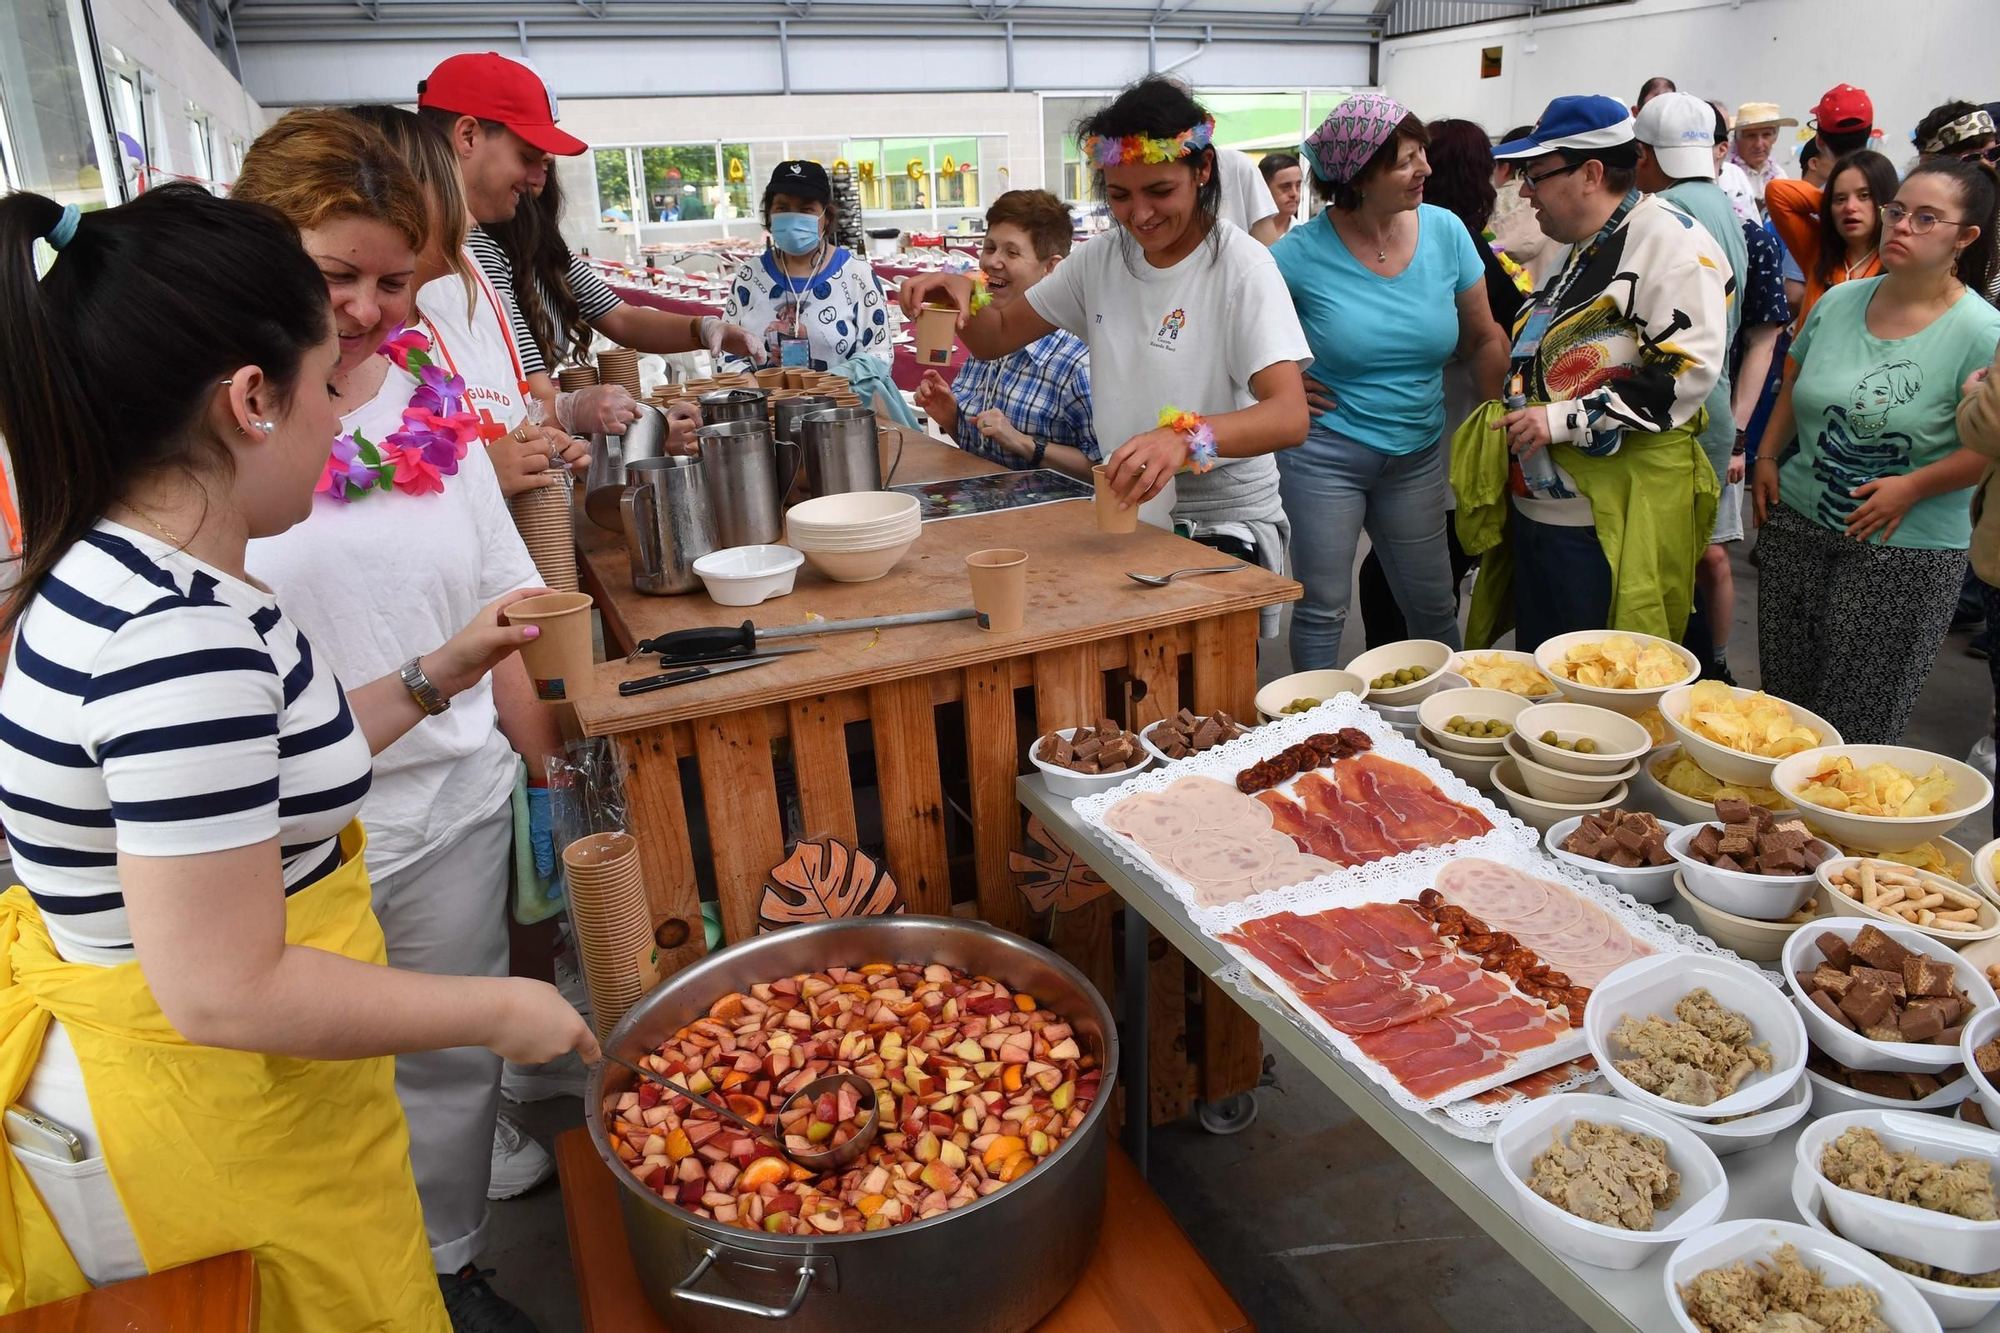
1705	202
1869	408
1381	343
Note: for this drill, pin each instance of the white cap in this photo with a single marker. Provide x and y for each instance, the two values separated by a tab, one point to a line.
1680	129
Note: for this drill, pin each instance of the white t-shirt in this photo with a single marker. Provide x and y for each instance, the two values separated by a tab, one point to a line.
1246	199
1735	182
379	580
480	343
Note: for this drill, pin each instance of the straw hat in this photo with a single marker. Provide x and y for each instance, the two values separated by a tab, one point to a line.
1760	115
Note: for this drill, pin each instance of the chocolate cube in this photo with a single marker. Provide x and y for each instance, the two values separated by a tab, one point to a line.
1828	1007
1866	1005
1949	1037
1722	862
1920	1024
1733	810
1706	844
1927	976
1881	1083
1884	1031
1891	982
1877	950
1921	1084
1832	980
1623	859
1834	949
1987	1057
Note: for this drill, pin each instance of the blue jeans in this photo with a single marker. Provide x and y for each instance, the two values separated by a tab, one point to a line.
1562	582
1335	489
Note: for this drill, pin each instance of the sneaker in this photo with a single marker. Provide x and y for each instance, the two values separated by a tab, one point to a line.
564	1076
475	1307
519	1163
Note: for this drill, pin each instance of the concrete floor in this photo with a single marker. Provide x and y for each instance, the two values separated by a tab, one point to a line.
1311	1220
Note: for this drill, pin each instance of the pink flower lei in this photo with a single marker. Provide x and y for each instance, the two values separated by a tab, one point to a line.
437	429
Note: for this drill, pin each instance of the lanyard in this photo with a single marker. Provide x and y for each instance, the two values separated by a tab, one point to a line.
798	294
1529	341
506	329
437	341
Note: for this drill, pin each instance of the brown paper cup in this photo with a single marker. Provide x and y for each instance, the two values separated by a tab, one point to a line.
937	329
559	661
794	379
1110	518
770	379
546	522
613	923
571	378
999	587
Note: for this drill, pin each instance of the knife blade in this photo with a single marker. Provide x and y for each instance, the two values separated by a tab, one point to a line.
737	653
646	684
725	641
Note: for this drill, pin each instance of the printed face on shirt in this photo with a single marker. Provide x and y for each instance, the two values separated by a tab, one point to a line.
1007	258
1156	202
1754	145
370	274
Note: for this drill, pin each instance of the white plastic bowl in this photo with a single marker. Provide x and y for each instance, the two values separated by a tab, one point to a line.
1539	814
1406	715
1758	941
1473	705
1653	985
1904	1229
1530	1130
1426	653
1851	1048
1757	1130
1759	897
1955	1307
1883	833
1553	784
1988	922
1982	869
852	510
1507	655
1630	702
1620	740
1664	801
1320	685
1068	782
1979	1029
1476	769
1647	884
747	575
1831	1098
857	566
1840	1263
1721	761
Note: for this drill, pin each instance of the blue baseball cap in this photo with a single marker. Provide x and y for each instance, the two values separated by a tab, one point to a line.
1581	124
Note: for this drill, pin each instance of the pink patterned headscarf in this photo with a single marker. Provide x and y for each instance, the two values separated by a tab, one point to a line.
1342	145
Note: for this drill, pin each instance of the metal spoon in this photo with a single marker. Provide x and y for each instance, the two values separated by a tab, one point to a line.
1162	580
693	1096
830	1160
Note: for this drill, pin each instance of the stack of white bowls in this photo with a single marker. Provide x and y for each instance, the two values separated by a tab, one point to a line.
856	537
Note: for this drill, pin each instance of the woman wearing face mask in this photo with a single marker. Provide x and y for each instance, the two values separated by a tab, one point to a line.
195	980
407	475
1835	231
1865	525
1186	318
1030	408
807	301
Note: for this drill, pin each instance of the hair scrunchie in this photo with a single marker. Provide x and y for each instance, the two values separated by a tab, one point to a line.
64	230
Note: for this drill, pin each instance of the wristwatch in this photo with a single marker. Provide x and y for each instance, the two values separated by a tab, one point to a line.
421	689
1742	445
1041	452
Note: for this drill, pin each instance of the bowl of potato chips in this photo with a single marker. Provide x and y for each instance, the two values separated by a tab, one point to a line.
1881	798
1500	669
1673	786
1739	735
1627	673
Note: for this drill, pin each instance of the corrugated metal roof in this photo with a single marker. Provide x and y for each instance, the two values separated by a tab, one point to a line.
1408	16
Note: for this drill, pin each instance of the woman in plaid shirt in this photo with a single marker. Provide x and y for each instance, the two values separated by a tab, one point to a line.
1030	408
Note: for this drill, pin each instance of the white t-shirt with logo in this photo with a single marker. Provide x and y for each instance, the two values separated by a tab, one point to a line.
1246	199
477	333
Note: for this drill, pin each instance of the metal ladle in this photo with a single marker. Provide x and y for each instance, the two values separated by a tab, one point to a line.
832	1159
1162	580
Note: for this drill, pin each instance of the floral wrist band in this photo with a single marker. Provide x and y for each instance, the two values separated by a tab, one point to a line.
981	298
1135	148
1200	436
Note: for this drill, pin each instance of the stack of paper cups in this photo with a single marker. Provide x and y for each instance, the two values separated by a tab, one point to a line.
614	933
619	365
572	378
547	527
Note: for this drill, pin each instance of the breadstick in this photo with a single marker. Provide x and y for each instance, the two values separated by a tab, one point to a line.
1884	901
1961	914
1868	886
1929	900
1955	925
1925	916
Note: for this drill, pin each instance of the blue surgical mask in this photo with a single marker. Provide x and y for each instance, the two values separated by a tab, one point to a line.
795	233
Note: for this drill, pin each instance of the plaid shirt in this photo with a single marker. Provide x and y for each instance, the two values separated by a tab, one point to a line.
1044	389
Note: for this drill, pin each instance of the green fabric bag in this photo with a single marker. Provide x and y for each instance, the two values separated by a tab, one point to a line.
535	898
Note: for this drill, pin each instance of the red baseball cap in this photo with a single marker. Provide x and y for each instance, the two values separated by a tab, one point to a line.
1844	108
492	87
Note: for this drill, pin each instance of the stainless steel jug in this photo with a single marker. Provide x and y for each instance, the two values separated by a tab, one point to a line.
668	523
841	451
610	455
748	474
733	405
786	413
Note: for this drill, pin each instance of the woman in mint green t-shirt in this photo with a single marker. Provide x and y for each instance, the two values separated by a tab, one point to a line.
1864	516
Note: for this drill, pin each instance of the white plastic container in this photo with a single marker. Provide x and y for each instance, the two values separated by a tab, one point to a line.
1980	1029
1850	1048
1647	884
1904	1229
1068	782
1620	740
1759	897
1831	1098
1756	1130
1955	1307
1320	685
1473	705
1558	787
1720	761
1629	702
1971	793
1840	1263
747	575
1426	653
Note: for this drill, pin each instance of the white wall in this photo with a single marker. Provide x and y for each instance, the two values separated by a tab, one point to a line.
152	35
1909	55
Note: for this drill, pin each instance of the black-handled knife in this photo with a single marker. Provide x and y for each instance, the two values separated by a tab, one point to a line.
724	640
646	684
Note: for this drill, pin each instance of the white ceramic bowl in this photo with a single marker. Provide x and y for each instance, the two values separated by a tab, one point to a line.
1759	897
1476	769
1620	740
1539	814
1426	653
1630	702
1988	922
1647	884
1508	655
1531	1130
1881	833
1982	869
1904	1229
1068	782
1851	1048
1653	985
1757	1129
1758	941
851	511
1553	784
1474	706
1980	1029
1721	761
1320	685
1955	1307
1405	715
858	566
1831	1098
747	575
1839	1262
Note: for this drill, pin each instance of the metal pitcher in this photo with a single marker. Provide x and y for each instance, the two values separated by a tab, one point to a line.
749	474
610	455
841	451
668	523
787	413
733	405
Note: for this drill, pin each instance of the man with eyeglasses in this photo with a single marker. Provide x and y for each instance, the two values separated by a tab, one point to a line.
1610	500
1957	129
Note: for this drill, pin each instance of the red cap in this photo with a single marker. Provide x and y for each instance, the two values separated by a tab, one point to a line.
1844	108
492	87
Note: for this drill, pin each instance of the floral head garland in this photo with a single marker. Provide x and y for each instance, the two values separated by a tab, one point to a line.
437	429
981	298
1132	149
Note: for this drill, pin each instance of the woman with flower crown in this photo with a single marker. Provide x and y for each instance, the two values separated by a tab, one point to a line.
1194	348
408	535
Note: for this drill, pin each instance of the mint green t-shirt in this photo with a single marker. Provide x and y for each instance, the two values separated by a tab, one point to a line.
1868	407
1705	202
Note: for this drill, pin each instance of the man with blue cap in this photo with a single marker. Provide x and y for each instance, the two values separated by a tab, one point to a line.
1607	500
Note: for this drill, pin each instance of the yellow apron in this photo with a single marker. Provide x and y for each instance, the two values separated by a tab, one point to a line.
304	1163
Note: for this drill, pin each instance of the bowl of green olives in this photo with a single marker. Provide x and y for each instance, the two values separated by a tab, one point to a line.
1402	673
1582	738
1305	690
1472	721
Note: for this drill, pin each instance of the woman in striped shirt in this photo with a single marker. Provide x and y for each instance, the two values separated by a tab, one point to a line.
179	778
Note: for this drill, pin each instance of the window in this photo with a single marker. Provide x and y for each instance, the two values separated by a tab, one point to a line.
614	184
201	163
129	115
1254	123
946	174
675	182
51	126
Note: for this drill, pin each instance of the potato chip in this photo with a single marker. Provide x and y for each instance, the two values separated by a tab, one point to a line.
1491	671
1620	662
1756	724
1677	772
1881	791
1935	857
1656	726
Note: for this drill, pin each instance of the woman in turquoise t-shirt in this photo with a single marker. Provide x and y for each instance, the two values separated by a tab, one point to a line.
1387	288
1864	518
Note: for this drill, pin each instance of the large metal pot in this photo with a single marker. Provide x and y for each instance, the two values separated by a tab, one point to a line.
1018	1251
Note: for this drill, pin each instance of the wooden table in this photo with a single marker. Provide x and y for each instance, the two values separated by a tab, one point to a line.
216	1295
1145	1274
941	715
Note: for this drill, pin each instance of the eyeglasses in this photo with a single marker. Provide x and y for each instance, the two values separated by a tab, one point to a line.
1989	154
1921	221
1534	182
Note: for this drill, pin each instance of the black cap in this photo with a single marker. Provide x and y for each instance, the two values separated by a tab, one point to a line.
802	179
